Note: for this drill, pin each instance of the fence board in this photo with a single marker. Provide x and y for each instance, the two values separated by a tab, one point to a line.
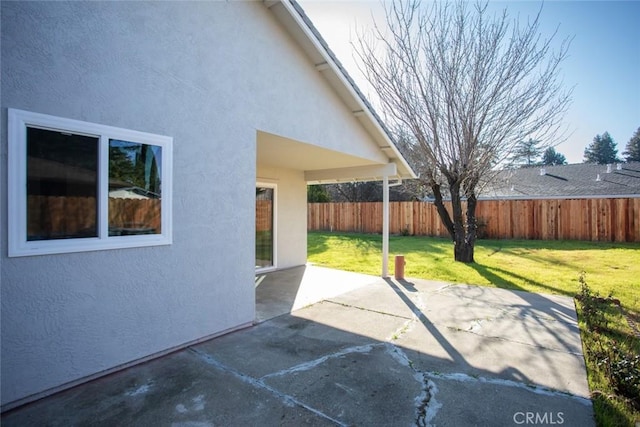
615	220
59	216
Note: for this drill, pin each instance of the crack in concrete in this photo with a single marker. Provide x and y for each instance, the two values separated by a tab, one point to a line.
426	405
460	377
313	363
258	383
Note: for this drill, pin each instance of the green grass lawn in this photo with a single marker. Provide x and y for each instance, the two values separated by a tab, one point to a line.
551	267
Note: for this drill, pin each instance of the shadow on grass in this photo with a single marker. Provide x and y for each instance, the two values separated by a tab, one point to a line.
317	243
418	244
492	274
556	245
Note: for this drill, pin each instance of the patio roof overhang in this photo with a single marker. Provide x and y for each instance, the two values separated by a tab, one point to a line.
321	165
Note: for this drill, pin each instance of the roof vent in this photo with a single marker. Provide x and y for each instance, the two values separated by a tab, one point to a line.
609	168
598	178
543	171
619	166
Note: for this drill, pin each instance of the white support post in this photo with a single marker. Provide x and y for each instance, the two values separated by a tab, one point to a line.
385	227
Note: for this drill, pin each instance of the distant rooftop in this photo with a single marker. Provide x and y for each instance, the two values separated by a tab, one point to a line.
580	180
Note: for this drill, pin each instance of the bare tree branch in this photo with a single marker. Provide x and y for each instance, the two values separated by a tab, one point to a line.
468	87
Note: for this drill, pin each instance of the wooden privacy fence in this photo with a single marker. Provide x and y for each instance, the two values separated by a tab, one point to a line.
611	220
264	215
51	216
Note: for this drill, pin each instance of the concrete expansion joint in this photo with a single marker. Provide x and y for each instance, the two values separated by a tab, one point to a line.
402	330
443	288
525	314
476	331
367	309
477	326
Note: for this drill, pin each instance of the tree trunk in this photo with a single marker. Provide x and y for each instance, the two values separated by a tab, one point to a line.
463	251
464	247
442	210
462	233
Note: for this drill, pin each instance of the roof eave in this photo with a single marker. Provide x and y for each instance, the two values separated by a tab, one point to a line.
312	42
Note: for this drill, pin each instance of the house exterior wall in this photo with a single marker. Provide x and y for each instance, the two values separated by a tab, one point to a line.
206	74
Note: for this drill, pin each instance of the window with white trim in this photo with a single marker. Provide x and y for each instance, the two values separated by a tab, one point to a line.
76	186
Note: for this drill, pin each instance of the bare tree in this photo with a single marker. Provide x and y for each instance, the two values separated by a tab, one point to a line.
467	86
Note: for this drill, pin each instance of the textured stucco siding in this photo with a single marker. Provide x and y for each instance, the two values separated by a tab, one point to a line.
208	74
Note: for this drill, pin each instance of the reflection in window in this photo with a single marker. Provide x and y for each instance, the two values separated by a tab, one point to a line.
62	185
134	188
264	227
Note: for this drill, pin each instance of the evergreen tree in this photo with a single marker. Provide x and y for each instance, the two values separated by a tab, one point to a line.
602	150
527	152
551	158
632	151
317	194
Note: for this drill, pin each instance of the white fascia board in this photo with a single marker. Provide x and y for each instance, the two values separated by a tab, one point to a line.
364	111
358	173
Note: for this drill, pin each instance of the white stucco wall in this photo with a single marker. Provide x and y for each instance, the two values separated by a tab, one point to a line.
208	74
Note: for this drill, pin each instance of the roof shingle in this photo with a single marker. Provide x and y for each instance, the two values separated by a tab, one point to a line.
567	181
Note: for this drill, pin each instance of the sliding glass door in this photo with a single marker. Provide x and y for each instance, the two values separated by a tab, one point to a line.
265	229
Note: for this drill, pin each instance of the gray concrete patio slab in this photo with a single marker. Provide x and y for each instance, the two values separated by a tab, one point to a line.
500	404
384	396
474	328
284	291
308	334
383	353
178	390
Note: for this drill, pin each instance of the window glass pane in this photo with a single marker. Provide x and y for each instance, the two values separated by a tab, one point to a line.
134	188
62	185
264	227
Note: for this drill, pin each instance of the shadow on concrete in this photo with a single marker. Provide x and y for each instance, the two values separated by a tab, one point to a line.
283	291
384	353
276	292
548	325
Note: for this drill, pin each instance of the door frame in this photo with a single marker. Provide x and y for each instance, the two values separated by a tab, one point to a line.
274	230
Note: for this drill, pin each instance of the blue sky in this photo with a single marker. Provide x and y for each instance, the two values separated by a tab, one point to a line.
603	64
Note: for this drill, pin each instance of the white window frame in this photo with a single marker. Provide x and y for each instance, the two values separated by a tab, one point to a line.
18	121
274	253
